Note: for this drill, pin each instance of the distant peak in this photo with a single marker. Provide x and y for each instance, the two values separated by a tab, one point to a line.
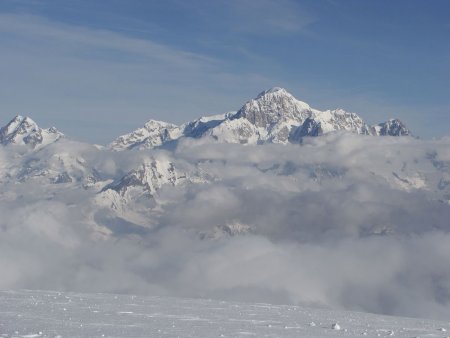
23	130
392	127
273	90
17	122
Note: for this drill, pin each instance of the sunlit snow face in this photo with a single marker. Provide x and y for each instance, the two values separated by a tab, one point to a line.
343	220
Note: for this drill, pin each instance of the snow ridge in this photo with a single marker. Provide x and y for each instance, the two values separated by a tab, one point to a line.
153	134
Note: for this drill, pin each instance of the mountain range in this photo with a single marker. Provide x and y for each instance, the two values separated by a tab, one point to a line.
274	116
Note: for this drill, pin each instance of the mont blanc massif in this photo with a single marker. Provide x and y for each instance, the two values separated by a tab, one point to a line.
346	212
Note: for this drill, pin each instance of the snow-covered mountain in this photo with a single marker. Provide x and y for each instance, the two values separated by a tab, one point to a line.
150	176
274	116
24	131
393	127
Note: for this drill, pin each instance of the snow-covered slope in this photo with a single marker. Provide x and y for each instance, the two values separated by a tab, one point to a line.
153	134
320	123
274	116
199	127
34	314
24	131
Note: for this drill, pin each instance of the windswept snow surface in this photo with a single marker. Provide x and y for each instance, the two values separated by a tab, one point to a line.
53	314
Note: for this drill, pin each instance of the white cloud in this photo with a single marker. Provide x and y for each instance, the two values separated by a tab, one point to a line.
329	224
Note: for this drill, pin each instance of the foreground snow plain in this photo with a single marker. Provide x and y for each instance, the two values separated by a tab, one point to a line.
55	314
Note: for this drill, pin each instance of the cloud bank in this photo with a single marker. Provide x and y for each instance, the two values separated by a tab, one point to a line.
344	221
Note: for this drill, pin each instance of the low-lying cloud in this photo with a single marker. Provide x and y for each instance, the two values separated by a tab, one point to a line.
344	221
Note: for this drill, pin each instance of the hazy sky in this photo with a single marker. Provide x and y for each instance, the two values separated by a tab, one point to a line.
97	69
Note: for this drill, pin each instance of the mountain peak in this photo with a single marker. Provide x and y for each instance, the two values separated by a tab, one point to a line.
153	134
20	121
23	130
274	90
272	106
392	127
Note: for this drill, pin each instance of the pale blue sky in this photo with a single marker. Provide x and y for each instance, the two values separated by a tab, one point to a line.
97	69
